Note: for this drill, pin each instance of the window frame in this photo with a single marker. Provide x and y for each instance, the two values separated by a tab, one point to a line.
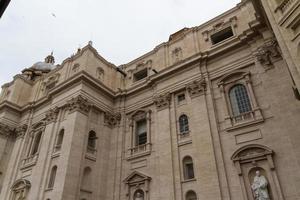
52	177
138	73
188	160
143	149
225	84
185	132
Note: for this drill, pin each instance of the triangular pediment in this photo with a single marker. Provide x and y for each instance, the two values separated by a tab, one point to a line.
136	177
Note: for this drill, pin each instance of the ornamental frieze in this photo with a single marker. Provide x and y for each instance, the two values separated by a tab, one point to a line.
162	101
79	104
267	52
51	115
112	120
196	88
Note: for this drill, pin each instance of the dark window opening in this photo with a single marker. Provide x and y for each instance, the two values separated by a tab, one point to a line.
141	132
36	143
180	98
221	35
92	140
140	75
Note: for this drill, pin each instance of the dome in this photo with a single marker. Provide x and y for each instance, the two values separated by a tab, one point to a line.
48	65
43	66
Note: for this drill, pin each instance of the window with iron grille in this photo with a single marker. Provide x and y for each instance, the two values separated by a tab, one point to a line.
183	124
239	99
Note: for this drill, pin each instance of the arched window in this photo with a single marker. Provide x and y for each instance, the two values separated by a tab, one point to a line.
36	143
191	195
92	140
60	138
239	100
86	179
188	168
52	177
183	124
139	194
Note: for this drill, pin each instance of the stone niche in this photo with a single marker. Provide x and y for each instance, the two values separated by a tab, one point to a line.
252	158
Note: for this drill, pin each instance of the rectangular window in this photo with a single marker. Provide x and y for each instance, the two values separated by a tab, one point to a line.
190	171
141	132
221	35
140	75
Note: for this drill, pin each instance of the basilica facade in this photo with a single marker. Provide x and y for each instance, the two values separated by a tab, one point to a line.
212	114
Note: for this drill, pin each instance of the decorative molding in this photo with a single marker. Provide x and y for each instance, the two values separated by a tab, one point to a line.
39	126
267	53
21	130
51	115
50	82
196	88
135	181
162	101
6	130
219	26
112	120
79	104
141	66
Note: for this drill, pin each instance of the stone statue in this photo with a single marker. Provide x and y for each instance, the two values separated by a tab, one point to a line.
139	196
259	187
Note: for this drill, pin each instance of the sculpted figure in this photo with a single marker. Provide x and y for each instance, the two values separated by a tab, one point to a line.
139	196
259	187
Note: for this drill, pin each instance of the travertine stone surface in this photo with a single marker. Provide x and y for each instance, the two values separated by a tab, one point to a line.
69	131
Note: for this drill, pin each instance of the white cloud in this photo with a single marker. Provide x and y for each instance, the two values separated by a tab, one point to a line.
121	30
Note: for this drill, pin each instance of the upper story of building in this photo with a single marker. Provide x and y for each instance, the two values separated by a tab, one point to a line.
231	29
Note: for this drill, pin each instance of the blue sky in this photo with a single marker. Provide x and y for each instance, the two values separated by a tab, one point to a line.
121	30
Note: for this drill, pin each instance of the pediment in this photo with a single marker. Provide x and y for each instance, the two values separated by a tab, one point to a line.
136	177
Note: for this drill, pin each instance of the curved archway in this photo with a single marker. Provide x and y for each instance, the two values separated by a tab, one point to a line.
191	195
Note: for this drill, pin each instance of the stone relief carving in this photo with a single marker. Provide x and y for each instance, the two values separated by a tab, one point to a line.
99	73
50	82
51	115
177	54
162	101
78	103
20	189
259	187
112	120
75	68
196	88
267	53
